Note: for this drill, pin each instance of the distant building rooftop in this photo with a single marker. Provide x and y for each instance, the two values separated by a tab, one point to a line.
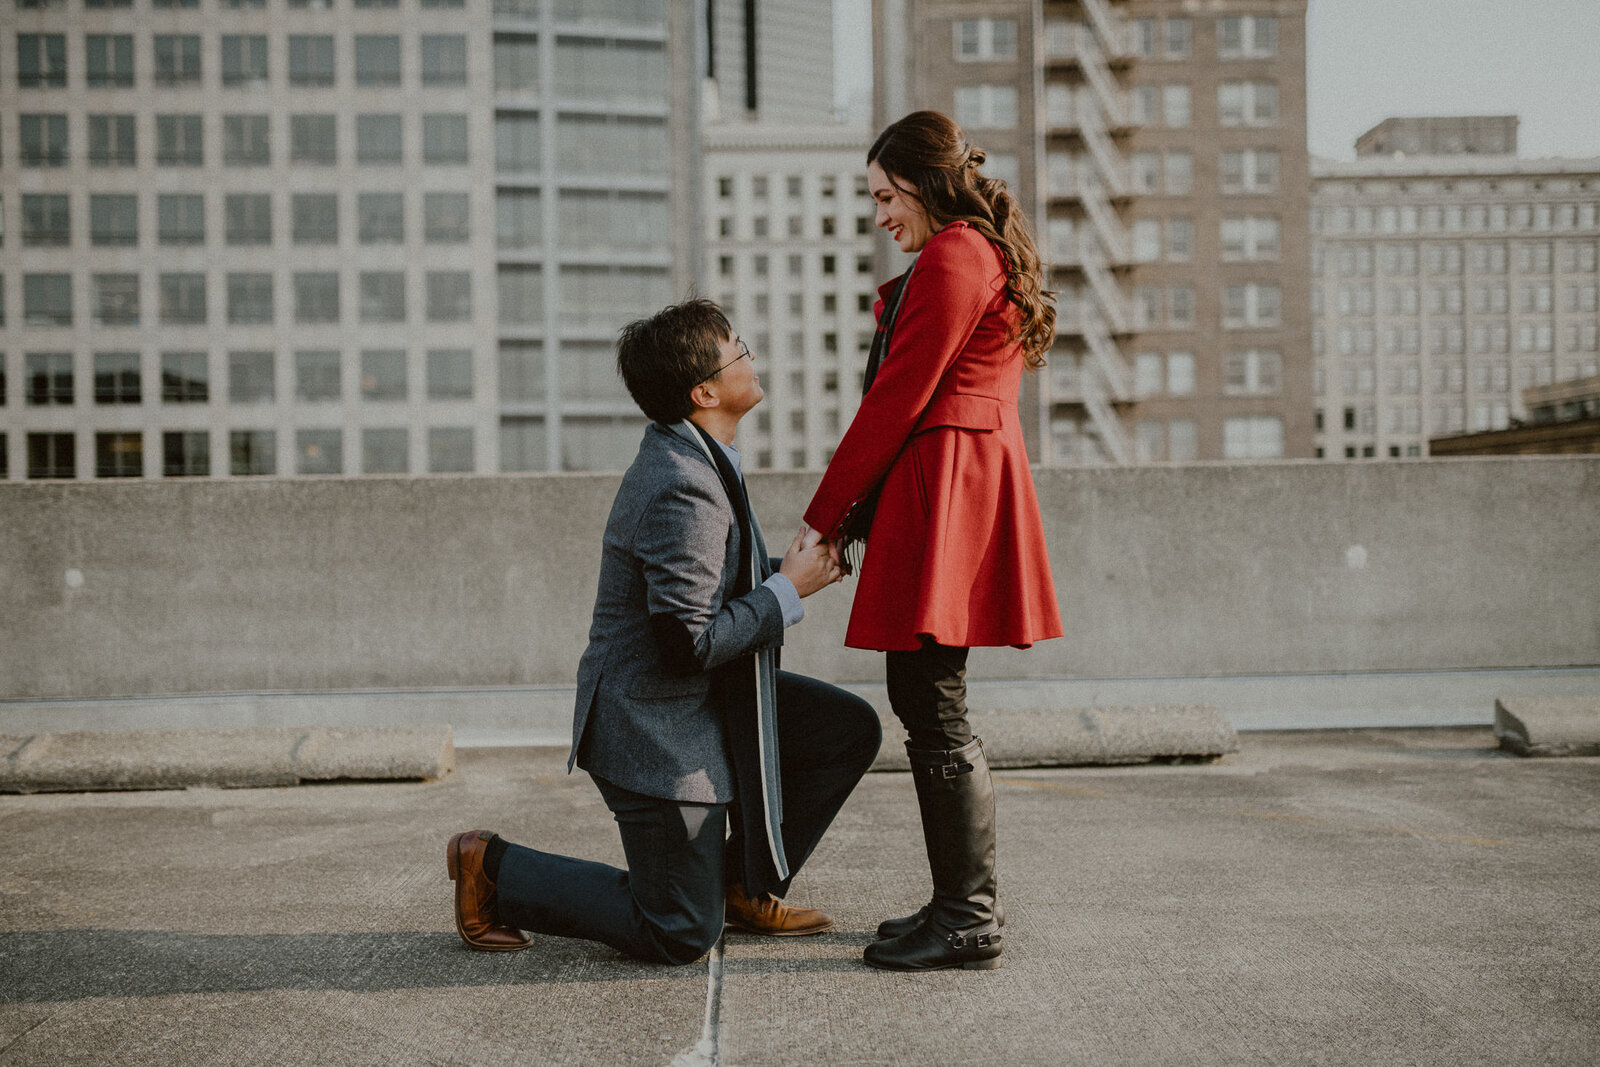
1475	135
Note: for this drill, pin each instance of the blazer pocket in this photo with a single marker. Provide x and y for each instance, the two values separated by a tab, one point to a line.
662	687
966	411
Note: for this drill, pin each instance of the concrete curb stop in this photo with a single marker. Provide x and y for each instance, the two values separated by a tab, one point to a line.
1068	737
1548	726
93	760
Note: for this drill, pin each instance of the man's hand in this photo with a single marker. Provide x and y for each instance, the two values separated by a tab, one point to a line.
809	568
808	536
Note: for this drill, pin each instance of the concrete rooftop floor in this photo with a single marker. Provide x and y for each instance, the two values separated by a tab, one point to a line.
1338	897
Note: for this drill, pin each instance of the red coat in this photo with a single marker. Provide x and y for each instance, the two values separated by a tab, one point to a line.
956	551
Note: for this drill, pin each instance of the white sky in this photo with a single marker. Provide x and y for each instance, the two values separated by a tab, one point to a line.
1371	59
1368	60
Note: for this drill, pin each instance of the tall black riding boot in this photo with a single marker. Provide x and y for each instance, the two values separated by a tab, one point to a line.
956	796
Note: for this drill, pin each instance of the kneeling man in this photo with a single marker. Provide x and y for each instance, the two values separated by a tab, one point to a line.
683	721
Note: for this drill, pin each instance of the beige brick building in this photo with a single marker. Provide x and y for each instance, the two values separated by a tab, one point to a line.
1160	147
1445	285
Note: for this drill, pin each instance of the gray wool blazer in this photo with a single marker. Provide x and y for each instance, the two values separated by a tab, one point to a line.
672	544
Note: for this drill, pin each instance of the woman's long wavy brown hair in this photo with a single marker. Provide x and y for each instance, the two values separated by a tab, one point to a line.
927	152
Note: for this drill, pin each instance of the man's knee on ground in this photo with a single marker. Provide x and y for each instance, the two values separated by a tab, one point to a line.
686	944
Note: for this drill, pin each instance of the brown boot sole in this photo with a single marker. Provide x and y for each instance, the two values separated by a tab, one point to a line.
778	933
452	863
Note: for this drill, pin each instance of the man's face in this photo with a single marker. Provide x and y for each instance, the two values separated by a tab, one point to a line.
736	385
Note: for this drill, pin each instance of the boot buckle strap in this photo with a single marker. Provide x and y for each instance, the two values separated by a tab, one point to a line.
976	941
955	770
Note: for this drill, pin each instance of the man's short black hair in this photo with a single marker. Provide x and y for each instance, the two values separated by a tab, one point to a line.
663	357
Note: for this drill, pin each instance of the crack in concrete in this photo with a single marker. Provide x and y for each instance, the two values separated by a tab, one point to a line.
704	1053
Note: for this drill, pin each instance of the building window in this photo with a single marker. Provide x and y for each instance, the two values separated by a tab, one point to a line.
1146	240
250	298
386	451
46	220
251	378
315	218
1176	106
444	138
252	452
1253	304
1180	173
52	455
108	60
316	297
381	218
1143	36
180	219
450	374
517	145
113	220
118	455
182	299
177	60
1180	240
611	145
245	141
986	106
611	71
316	375
1180	309
519	218
49	378
1142	103
116	378
44	140
1251	237
450	450
116	299
383	296
449	296
1180	373
180	141
378	140
247	218
377	60
985	40
521	371
444	59
1247	103
112	141
47	299
312	139
1178	36
383	374
1252	372
1252	437
521	294
311	60
185	378
244	60
516	62
319	451
1247	37
41	60
1144	168
445	218
185	454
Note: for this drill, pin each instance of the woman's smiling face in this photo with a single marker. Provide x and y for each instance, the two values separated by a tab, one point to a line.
899	211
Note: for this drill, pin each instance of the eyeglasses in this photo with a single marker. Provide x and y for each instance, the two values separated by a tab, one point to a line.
744	353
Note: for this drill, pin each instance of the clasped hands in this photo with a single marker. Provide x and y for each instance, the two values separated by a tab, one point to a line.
811	562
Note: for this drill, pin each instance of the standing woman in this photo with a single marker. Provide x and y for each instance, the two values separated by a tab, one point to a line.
955	554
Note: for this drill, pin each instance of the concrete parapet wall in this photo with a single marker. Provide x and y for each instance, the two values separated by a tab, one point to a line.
170	587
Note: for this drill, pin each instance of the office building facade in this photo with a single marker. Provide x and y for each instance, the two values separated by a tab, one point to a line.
300	237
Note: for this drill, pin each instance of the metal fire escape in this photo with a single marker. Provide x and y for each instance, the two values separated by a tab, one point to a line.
1088	246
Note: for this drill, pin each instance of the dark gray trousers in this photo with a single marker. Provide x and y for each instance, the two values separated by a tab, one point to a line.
667	905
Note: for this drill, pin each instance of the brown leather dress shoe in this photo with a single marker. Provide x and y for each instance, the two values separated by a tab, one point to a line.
475	920
768	915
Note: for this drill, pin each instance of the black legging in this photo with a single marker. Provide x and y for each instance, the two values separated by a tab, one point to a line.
928	692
